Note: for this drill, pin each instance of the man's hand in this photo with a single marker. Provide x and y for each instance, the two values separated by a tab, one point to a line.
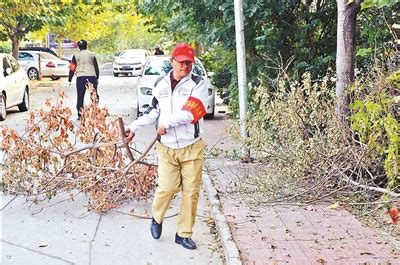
161	130
129	136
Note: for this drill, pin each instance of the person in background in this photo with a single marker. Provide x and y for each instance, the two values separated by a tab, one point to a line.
84	66
178	106
158	50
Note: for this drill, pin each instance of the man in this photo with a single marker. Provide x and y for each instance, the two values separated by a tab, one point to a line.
84	65
158	50
178	106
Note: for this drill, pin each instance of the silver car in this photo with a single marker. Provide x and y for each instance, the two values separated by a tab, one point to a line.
14	86
50	65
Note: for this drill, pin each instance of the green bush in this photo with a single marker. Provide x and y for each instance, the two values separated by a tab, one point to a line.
376	115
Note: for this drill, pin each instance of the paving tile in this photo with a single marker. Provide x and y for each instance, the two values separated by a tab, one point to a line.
292	234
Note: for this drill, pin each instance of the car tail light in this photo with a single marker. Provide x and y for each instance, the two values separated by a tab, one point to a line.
50	64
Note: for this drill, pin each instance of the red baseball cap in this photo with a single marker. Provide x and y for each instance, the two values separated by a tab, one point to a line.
183	52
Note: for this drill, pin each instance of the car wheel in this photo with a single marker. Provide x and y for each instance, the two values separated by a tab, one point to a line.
210	116
115	75
33	73
55	77
25	101
3	107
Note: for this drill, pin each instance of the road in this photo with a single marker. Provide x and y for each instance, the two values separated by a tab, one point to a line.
59	235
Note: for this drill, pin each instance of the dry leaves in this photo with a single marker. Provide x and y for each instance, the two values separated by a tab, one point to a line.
54	155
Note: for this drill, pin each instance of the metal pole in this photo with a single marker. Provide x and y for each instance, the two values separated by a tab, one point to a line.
241	68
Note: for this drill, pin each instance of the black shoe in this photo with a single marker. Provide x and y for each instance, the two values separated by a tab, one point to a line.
155	229
186	242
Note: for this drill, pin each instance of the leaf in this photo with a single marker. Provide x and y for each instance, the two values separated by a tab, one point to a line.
334	206
394	214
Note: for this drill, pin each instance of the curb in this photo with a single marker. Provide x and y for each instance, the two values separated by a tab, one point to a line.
231	252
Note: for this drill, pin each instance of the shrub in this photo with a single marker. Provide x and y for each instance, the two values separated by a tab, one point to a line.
376	115
307	154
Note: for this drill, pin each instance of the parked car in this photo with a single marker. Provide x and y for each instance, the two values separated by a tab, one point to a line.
130	62
50	65
48	50
14	86
160	65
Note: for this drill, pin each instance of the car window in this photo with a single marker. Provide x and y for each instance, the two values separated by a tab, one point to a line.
24	56
158	67
161	67
6	65
198	69
14	64
133	53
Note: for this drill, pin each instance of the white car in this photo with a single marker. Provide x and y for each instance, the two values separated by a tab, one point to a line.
14	86
130	62
50	65
160	65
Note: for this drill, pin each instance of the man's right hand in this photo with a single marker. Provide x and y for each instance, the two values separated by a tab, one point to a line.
129	136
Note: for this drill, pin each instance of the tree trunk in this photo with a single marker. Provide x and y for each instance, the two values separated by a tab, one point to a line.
15	46
345	53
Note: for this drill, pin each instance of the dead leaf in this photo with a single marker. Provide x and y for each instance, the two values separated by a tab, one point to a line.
334	205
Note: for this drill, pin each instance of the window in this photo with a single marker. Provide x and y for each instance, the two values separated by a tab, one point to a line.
161	67
24	56
198	69
5	65
158	67
14	64
133	54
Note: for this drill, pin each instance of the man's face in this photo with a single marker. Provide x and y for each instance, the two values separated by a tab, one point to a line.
181	69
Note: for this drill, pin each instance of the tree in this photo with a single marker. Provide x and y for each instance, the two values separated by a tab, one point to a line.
345	55
17	19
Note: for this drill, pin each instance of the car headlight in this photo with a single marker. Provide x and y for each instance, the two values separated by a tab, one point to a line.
146	91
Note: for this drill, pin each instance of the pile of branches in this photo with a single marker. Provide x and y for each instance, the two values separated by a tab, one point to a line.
305	154
56	155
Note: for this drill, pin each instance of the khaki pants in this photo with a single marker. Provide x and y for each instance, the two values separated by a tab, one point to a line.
179	170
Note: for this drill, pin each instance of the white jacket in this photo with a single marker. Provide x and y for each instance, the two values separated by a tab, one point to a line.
180	111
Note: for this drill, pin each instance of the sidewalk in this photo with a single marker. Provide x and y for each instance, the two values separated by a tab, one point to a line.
289	234
67	233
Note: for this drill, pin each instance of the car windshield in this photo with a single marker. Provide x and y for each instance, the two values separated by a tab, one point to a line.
161	67
158	67
133	53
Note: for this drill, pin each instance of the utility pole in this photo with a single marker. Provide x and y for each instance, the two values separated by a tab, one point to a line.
242	79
